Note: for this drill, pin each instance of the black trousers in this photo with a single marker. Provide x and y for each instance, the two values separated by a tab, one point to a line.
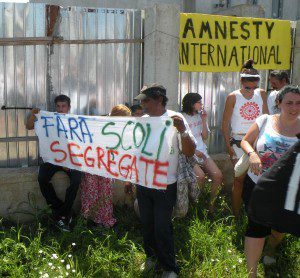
59	208
156	208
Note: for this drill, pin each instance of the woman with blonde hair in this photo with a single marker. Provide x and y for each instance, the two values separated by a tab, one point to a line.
96	191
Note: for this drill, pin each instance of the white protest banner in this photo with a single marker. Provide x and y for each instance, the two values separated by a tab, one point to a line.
125	148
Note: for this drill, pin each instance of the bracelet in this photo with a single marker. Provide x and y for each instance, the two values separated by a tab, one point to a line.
250	153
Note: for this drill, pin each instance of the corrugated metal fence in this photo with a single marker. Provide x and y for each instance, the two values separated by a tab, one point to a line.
95	74
214	88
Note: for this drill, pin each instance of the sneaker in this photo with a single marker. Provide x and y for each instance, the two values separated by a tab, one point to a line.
148	265
267	260
169	274
62	225
70	220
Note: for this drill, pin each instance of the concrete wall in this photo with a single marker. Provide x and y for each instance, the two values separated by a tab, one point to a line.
21	200
117	4
204	7
296	65
244	10
291	10
161	43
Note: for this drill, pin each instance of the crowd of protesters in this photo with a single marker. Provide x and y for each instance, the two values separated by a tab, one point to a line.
263	127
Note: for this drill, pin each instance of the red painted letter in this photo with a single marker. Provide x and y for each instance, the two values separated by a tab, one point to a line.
88	159
157	172
71	154
58	151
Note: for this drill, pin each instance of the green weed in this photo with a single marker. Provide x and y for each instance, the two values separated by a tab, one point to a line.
205	246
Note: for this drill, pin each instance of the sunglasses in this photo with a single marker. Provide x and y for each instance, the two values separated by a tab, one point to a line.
247	88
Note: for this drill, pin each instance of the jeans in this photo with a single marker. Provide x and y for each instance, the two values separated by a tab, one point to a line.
59	208
156	208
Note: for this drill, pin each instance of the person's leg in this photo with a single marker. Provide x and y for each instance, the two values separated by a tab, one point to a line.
237	189
200	175
104	205
147	219
71	192
255	234
236	194
253	250
46	172
273	241
164	202
215	174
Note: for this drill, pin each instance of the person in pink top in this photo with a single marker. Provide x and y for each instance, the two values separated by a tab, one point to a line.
96	191
242	107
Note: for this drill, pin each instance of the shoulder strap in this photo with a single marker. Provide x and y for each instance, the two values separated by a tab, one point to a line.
265	119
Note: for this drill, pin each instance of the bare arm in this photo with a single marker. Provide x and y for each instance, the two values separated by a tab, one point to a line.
227	114
204	132
265	101
31	118
188	144
247	145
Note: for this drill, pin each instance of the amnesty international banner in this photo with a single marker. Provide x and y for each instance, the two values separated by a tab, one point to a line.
214	43
125	148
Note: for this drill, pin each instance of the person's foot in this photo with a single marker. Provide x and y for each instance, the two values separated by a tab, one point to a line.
169	274
267	260
61	224
148	265
70	219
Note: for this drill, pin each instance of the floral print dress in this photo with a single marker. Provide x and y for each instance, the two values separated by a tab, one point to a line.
96	199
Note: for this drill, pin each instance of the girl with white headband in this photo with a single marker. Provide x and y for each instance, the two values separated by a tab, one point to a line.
242	107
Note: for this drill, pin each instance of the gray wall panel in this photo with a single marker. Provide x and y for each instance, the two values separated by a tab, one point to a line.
95	76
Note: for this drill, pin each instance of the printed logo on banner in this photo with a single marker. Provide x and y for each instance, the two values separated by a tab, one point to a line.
214	43
131	149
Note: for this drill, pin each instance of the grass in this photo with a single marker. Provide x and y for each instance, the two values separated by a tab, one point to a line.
205	247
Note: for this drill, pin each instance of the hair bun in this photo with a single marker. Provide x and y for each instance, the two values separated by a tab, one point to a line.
248	64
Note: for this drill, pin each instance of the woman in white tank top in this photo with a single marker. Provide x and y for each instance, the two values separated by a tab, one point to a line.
242	107
196	117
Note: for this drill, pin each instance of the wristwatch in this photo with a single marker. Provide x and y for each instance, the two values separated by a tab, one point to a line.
184	134
250	153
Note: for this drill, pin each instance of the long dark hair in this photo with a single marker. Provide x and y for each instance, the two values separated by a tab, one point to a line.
188	101
248	68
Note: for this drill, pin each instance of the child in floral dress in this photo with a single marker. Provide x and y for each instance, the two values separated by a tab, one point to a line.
96	191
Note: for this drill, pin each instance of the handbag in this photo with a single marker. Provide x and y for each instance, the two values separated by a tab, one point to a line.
242	166
187	186
194	189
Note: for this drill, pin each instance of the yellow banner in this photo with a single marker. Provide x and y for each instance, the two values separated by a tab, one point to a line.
214	43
